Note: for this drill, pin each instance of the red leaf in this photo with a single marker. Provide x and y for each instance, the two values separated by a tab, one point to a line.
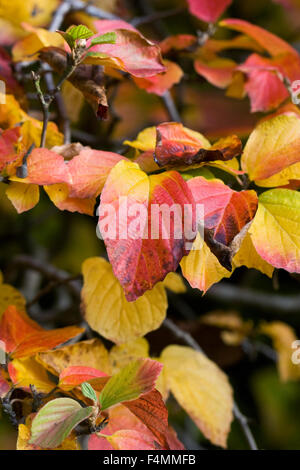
178	146
8	142
152	411
226	211
208	10
75	375
136	55
140	261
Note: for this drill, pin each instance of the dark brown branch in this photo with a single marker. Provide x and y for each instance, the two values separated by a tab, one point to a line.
50	272
155	16
229	294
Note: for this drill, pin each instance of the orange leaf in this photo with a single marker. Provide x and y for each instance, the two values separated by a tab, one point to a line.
24	337
75	375
271	43
161	82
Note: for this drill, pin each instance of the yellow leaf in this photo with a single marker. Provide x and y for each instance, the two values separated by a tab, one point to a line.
10	296
283	337
201	267
11	114
28	47
29	11
123	354
146	140
276	227
73	100
235	328
90	353
202	389
248	256
27	371
174	283
107	310
273	146
23	196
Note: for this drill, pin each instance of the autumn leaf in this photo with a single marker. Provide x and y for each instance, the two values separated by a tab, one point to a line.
283	337
8	146
27	371
151	410
130	440
265	156
4	385
202	389
36	39
226	215
90	353
73	376
120	419
11	114
216	70
161	253
162	82
208	10
109	313
24	337
264	84
23	196
10	296
54	422
122	354
248	256
179	146
24	436
201	267
136	379
131	52
268	41
274	231
85	78
226	211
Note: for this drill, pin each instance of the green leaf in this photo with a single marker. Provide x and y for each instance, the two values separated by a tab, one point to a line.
68	38
135	379
107	38
55	421
88	391
80	32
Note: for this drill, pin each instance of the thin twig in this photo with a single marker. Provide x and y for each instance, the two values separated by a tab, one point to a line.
155	16
50	287
189	340
171	107
271	304
50	272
